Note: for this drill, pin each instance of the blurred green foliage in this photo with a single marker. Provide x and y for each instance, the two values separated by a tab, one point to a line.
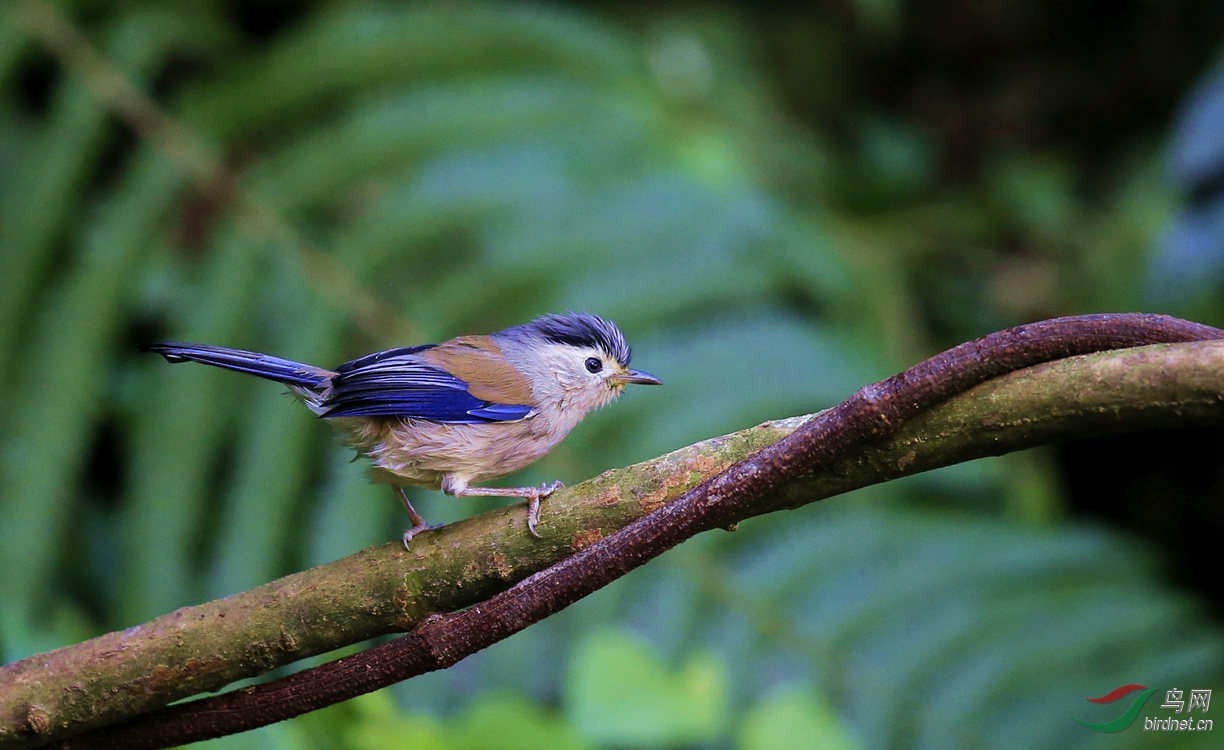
770	232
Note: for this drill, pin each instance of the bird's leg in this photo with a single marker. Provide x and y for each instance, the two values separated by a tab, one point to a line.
458	488
418	523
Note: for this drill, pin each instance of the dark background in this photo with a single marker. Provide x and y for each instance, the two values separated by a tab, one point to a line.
776	204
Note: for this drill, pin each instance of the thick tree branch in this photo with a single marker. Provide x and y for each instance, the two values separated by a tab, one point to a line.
835	451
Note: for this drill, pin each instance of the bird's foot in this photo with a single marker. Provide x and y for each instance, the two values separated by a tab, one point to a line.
418	523
533	504
418	528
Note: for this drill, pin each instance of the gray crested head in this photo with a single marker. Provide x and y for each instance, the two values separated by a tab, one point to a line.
580	329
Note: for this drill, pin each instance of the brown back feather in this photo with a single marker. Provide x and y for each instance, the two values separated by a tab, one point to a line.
478	361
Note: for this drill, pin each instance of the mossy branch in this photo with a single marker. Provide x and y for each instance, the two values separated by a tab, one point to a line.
386	589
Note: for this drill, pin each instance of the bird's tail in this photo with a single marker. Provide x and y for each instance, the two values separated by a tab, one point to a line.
293	374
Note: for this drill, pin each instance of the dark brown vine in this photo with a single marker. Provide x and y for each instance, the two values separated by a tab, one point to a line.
874	412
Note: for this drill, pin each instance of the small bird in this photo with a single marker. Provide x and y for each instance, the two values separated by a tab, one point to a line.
468	410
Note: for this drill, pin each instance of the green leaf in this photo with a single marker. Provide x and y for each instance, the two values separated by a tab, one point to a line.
795	718
380	724
619	692
507	721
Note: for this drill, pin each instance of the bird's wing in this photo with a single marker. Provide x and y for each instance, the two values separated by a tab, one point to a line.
480	362
400	383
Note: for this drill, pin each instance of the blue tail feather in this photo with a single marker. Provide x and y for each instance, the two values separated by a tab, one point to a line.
240	360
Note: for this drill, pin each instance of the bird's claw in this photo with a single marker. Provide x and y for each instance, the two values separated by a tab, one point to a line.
533	504
410	533
533	515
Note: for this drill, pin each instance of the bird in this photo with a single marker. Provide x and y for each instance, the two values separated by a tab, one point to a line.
448	416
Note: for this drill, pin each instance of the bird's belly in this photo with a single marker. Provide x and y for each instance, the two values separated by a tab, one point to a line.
422	453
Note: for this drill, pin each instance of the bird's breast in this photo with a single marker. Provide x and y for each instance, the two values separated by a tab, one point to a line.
406	451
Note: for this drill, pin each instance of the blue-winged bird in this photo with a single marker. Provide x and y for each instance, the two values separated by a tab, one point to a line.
449	415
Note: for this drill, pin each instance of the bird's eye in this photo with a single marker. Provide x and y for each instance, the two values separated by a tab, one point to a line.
593	365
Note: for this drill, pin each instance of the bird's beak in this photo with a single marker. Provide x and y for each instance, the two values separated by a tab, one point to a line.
637	376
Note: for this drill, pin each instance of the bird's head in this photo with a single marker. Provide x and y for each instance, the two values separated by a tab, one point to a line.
575	361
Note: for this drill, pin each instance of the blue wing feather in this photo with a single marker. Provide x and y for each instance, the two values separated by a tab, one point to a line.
376	357
501	412
397	384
